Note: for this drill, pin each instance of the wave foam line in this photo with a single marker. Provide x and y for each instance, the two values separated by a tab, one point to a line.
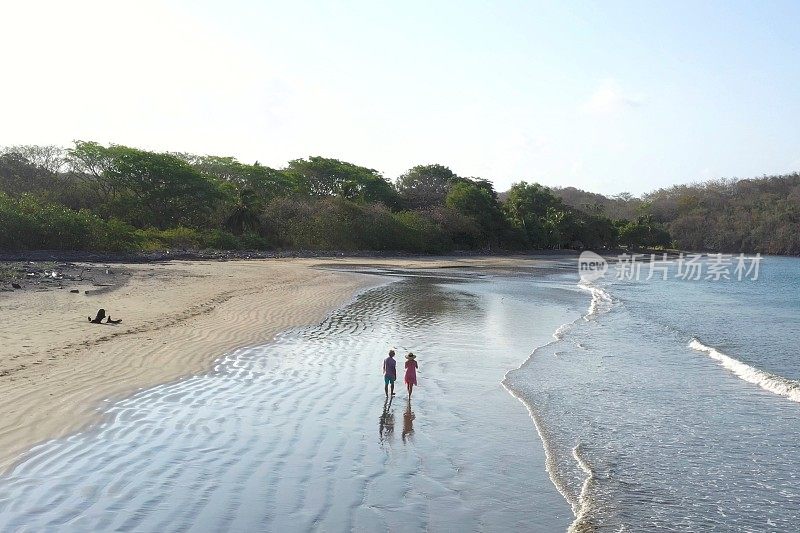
788	388
581	523
550	453
601	300
562	330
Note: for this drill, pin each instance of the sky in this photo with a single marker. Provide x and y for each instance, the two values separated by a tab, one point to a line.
605	96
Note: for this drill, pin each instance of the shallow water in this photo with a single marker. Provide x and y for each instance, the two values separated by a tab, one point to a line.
647	432
296	435
666	405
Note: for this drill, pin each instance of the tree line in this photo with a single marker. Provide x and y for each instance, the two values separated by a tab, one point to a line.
118	198
751	215
759	215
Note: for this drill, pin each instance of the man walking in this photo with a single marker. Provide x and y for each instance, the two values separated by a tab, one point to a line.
389	373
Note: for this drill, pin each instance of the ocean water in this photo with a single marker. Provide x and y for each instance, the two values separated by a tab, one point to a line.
673	404
545	404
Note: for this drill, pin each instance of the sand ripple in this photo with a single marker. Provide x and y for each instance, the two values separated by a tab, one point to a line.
295	435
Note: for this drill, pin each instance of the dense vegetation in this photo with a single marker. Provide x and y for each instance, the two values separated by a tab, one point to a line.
95	197
731	216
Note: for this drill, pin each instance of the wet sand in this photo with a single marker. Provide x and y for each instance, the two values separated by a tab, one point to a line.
178	317
295	434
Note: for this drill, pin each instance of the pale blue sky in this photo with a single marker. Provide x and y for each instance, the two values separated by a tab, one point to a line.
605	96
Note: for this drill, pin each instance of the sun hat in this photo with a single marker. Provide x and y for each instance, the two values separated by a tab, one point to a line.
411	356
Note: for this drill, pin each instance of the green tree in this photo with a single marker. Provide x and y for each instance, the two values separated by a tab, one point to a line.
321	177
92	161
560	228
147	188
596	232
425	186
535	210
644	232
476	202
243	216
264	183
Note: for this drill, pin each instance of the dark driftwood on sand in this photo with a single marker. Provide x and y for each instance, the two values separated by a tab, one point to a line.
101	314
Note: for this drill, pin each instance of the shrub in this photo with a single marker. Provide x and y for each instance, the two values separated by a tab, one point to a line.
28	223
422	234
220	240
253	241
334	224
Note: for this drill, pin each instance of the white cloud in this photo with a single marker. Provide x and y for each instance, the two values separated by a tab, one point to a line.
610	98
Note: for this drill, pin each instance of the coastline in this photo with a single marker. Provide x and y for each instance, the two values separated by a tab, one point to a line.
577	502
278	408
178	318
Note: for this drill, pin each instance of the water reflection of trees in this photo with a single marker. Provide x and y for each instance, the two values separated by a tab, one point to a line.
422	300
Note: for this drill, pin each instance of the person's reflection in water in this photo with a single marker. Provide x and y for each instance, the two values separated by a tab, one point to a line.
386	421
408	422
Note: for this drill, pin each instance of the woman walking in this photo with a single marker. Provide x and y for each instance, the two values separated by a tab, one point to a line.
411	372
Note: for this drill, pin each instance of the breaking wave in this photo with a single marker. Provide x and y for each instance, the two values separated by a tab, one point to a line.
788	388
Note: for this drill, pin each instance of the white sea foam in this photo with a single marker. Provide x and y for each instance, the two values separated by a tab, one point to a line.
549	451
601	300
562	330
601	303
788	388
580	524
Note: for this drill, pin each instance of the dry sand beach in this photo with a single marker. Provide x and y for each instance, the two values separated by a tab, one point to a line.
181	317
